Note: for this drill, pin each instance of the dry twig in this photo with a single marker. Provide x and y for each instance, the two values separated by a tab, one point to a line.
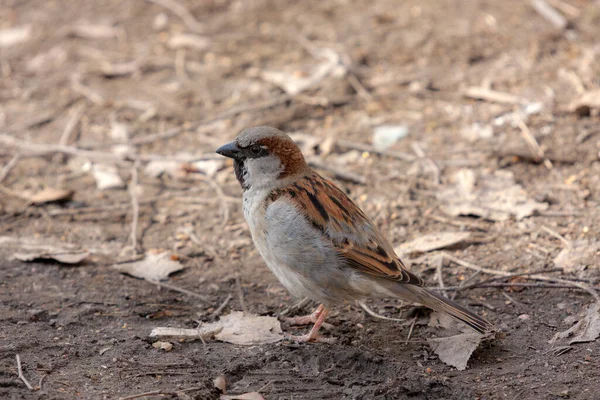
482	93
373	314
220	309
9	166
21	376
179	9
337	172
549	13
538	277
532	142
240	291
412	326
370	149
75	115
295	307
135	205
180	290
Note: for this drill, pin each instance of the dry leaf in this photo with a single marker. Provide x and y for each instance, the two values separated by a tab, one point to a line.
249	329
178	169
584	104
586	330
196	42
220	383
29	249
165	346
293	83
93	31
432	241
245	396
49	195
47	61
456	350
153	267
386	135
107	176
577	256
205	331
13	36
494	197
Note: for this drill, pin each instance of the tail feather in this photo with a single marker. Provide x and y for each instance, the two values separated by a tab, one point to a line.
441	304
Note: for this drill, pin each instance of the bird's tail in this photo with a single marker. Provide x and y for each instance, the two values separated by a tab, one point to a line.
441	304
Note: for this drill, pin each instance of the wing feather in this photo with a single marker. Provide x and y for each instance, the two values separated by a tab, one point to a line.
354	236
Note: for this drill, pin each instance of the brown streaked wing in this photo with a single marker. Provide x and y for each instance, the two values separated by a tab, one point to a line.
329	210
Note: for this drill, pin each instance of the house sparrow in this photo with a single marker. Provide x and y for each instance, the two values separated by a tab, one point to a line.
316	241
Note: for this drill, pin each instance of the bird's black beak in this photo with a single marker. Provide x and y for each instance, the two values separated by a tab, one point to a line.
230	150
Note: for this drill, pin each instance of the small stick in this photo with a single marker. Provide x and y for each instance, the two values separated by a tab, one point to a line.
86	92
510	276
511	299
72	122
469	265
378	316
358	86
179	333
135	205
21	376
9	166
440	278
182	12
220	309
480	93
37	149
549	13
338	173
532	142
412	326
463	283
459	223
295	307
370	149
41	382
180	290
152	393
240	291
508	284
557	235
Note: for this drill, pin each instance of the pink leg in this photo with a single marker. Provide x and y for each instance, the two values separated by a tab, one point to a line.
313	335
306	319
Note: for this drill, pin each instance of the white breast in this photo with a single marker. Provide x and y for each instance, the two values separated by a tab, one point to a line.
294	251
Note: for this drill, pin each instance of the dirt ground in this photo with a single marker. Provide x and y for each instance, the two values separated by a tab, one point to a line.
116	81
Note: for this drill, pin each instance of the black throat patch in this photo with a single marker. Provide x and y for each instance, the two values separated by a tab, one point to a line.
240	172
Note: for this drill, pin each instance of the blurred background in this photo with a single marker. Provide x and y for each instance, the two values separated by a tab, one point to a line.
474	120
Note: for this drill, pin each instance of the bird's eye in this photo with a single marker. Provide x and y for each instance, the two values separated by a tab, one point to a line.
256	149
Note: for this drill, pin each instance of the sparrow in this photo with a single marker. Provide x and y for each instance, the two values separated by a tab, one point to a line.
315	239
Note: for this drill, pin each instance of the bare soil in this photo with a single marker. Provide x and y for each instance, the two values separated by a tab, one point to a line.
83	331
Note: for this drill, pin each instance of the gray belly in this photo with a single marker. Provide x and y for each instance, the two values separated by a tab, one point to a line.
306	265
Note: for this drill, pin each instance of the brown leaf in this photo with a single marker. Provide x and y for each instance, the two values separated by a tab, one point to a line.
495	197
245	396
577	256
29	249
49	195
249	329
456	350
586	330
432	241
153	267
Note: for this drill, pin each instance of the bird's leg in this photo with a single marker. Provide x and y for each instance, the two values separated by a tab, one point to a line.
306	319
313	335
